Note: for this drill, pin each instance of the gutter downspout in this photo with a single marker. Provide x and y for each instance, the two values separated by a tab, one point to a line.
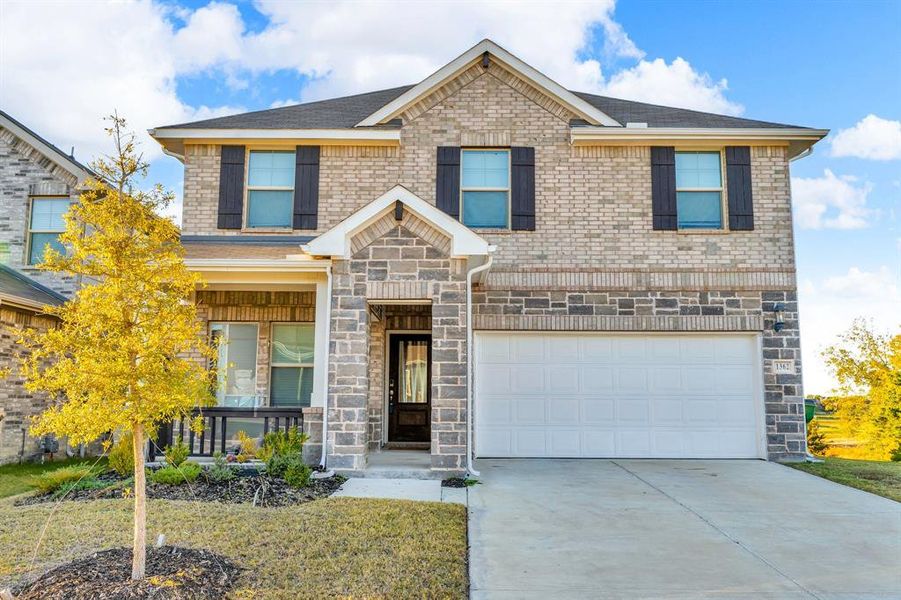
328	331
469	359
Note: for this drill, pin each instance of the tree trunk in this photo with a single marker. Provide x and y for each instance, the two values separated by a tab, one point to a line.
139	551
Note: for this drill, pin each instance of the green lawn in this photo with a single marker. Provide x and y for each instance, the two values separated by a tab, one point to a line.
336	547
16	479
877	477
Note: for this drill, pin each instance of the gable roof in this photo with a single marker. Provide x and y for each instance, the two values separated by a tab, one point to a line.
18	289
337	240
63	160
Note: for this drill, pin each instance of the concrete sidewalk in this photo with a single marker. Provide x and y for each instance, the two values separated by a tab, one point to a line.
401	489
677	529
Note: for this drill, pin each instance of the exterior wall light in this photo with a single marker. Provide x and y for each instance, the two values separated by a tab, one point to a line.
779	322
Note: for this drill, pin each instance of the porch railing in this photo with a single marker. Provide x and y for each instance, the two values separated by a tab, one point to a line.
220	424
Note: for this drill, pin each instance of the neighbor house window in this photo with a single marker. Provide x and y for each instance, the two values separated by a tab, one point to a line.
699	190
485	188
291	381
45	226
236	366
270	189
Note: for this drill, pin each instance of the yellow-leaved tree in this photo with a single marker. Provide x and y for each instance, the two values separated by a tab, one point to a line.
124	357
867	365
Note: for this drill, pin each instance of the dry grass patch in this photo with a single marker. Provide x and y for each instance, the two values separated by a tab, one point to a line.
334	547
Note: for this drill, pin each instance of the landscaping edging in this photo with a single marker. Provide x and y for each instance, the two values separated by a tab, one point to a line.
248	486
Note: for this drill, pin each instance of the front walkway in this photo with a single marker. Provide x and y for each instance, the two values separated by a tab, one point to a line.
677	529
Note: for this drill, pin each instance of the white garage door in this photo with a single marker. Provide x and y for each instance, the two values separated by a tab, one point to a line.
594	395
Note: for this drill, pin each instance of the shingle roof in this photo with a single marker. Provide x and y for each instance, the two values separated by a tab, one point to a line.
63	155
18	285
345	112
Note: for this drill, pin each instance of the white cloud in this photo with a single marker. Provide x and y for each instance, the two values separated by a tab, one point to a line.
872	137
674	84
831	202
829	306
66	65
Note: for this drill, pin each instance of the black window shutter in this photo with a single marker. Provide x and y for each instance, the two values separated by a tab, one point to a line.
522	189
663	187
306	187
447	180
231	187
738	184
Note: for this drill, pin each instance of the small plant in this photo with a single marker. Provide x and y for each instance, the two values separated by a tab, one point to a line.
176	453
220	471
247	447
297	474
121	456
88	483
281	450
188	472
52	481
816	439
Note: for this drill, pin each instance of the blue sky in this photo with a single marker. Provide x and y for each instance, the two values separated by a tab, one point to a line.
834	65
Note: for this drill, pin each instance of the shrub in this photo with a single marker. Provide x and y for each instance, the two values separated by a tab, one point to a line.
220	471
121	456
188	472
297	474
88	483
52	481
176	453
816	439
282	449
247	447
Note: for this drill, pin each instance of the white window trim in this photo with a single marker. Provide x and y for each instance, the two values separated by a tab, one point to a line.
256	358
307	365
507	189
30	231
263	188
724	217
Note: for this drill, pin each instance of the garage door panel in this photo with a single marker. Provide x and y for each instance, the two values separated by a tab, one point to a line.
598	411
529	410
563	411
596	395
526	379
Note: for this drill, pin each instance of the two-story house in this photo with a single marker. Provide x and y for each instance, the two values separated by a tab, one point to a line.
38	182
487	264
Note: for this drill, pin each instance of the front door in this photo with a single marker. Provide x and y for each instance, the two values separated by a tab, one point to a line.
409	387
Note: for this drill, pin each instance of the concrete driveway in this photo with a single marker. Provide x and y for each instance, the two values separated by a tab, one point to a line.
677	529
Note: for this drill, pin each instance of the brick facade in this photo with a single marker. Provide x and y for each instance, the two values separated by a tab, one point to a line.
17	405
594	263
25	173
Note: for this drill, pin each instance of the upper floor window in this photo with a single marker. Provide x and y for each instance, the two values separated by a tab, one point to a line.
45	226
485	188
292	364
270	188
699	190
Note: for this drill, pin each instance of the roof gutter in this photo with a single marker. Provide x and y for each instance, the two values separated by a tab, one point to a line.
799	139
245	265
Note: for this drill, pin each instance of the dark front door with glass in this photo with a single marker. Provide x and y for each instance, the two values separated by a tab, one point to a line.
409	388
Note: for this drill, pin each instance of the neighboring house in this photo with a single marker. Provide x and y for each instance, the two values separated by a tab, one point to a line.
38	182
627	271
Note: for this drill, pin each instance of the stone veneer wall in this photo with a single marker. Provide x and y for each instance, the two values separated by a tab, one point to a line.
391	262
25	172
17	405
392	317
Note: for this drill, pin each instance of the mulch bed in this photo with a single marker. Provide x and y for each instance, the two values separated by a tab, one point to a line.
453	482
172	573
248	486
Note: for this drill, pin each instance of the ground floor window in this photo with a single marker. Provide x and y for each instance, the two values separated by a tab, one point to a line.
236	366
291	379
